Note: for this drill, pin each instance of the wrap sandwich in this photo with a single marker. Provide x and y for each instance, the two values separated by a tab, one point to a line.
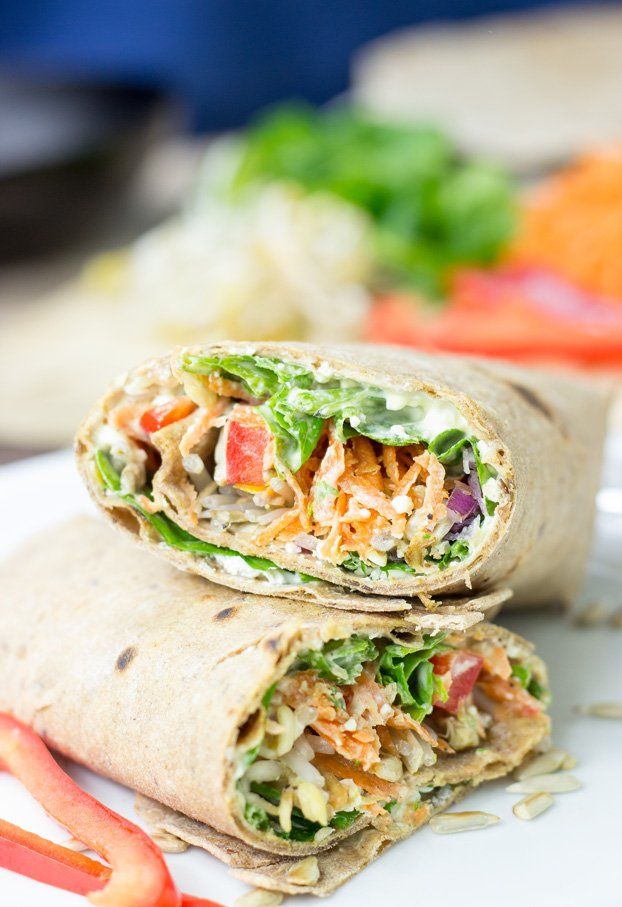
264	730
316	472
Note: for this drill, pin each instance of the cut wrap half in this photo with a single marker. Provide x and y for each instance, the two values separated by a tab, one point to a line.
266	730
311	472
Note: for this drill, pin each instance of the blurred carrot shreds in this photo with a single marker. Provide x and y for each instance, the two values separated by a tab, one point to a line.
572	224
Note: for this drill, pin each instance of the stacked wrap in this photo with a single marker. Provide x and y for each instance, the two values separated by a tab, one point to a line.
146	675
544	434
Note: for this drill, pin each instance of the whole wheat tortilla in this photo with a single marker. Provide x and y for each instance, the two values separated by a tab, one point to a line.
549	431
146	674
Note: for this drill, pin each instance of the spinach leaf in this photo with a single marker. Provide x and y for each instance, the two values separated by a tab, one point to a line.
411	670
340	660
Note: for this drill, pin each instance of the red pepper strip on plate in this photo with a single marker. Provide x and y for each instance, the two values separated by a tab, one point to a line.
30	855
167	413
26	853
139	876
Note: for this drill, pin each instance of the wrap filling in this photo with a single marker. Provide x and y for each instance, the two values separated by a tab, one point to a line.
371	726
376	483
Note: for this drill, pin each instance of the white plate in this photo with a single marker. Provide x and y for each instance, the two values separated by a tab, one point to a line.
569	857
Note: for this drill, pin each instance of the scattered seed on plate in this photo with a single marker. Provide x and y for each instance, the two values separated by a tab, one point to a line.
560	783
306	872
615	619
533	805
545	763
169	843
259	897
601	709
590	615
449	823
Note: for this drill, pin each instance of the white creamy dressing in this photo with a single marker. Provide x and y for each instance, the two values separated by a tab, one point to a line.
237	566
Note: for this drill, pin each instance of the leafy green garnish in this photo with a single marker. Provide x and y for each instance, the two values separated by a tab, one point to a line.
302	829
256	817
448	446
456	551
411	670
339	660
354	563
266	699
430	209
525	677
172	534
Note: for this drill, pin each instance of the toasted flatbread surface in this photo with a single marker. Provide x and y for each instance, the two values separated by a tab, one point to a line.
547	431
146	674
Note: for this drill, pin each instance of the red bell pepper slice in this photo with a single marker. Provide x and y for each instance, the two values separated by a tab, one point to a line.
30	855
246	442
166	413
460	670
140	877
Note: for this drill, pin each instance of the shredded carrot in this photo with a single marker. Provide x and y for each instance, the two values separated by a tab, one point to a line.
391	466
572	224
275	527
341	768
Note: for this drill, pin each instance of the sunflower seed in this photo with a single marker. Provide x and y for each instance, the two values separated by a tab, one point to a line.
560	783
551	761
169	843
569	762
615	619
531	806
259	897
590	615
449	823
601	709
307	872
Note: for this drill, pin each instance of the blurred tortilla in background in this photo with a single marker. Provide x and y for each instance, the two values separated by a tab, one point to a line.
528	90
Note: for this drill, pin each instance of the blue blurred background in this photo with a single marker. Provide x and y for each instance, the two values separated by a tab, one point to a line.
224	59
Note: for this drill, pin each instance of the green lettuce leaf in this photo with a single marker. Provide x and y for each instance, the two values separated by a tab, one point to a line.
413	673
457	551
340	660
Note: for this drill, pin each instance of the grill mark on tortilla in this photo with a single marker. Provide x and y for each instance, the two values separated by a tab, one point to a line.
126	656
224	614
532	399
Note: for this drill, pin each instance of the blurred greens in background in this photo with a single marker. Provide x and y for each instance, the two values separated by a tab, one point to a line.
431	208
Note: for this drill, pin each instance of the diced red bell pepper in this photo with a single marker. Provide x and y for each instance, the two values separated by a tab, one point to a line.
39	859
460	670
166	413
139	876
246	444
